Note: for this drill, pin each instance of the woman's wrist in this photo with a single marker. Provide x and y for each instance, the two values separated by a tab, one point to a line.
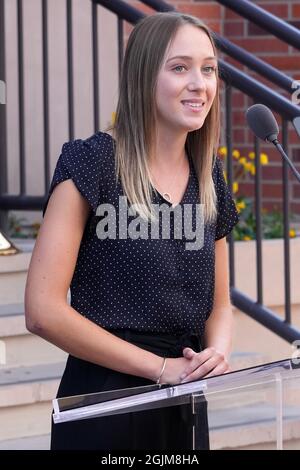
159	378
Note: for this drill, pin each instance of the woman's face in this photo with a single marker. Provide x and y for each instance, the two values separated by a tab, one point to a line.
186	85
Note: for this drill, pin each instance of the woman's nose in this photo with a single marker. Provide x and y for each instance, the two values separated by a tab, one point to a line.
197	82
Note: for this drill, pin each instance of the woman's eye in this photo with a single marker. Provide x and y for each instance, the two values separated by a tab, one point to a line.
179	67
209	69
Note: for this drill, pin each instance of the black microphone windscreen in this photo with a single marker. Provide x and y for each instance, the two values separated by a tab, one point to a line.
262	122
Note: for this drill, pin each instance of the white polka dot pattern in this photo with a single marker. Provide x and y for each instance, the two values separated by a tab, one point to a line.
153	285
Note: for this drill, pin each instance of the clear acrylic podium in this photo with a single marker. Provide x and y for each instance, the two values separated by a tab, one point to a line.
254	408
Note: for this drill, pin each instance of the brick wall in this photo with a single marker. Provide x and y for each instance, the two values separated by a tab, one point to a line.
273	51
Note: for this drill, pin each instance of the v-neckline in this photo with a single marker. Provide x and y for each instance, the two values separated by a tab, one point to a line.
185	191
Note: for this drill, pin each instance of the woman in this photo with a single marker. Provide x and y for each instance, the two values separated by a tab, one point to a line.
144	308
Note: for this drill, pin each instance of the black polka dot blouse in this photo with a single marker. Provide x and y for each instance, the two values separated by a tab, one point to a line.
140	283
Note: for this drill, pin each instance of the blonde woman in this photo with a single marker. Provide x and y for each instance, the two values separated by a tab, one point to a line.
150	296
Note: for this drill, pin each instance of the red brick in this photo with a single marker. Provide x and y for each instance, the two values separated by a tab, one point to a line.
272	205
294	137
259	45
238	118
296	11
296	191
295	207
204	11
272	173
215	26
233	28
238	136
238	100
254	30
284	62
273	191
231	15
278	9
296	155
246	189
142	7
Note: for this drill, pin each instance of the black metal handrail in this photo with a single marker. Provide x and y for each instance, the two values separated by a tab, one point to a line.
238	53
266	20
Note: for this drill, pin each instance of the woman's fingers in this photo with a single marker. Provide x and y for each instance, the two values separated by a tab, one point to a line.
204	363
188	353
196	361
220	369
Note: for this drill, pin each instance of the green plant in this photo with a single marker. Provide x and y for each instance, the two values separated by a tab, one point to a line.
20	228
272	221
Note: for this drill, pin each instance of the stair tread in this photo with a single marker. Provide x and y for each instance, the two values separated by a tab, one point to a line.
7	310
34	373
245	415
27	443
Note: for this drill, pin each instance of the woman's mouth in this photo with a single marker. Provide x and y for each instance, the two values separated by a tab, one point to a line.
195	107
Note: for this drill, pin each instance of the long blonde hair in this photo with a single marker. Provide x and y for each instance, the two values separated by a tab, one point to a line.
134	126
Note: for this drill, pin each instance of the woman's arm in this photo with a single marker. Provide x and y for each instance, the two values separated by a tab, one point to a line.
46	309
213	360
218	328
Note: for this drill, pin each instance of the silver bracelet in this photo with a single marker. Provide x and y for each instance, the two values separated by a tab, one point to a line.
162	370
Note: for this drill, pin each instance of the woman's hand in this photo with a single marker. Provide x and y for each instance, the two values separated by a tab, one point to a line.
175	367
204	364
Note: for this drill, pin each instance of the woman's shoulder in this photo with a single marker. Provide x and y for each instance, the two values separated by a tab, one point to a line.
100	142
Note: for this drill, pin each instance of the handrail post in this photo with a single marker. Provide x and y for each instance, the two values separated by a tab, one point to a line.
3	148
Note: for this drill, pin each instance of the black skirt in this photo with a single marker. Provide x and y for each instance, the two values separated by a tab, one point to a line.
167	428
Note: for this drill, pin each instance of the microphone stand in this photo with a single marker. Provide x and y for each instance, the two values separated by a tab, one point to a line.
282	152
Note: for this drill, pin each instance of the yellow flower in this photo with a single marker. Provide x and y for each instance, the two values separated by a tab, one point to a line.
264	159
236	154
246	238
252	169
240	205
223	151
292	233
248	166
242	160
235	187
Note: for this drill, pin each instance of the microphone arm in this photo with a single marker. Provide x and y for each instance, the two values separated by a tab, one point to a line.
282	152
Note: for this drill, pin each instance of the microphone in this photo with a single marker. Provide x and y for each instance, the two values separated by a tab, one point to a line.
264	125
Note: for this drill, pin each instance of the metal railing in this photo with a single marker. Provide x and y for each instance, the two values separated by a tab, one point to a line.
269	22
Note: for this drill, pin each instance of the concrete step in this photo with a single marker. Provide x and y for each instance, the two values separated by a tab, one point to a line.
27	443
26	395
244	359
253	426
13	272
18	347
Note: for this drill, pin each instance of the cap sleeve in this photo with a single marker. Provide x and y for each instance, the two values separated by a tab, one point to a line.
227	216
80	161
